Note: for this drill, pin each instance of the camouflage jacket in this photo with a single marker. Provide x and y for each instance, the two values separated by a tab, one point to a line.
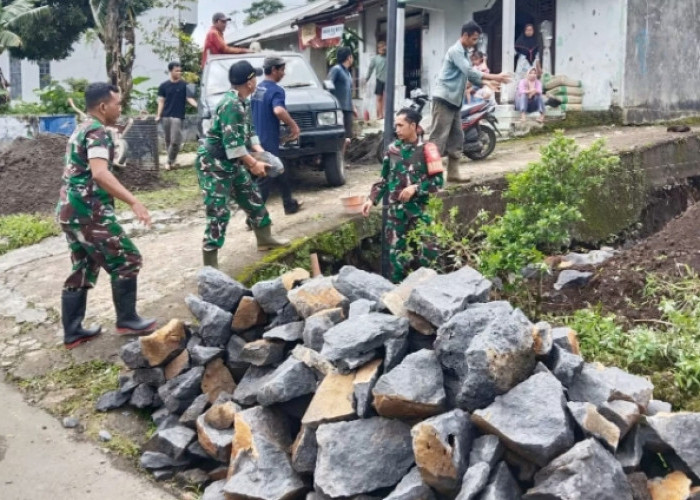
403	165
232	131
81	198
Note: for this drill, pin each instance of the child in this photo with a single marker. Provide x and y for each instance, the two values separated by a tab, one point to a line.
406	181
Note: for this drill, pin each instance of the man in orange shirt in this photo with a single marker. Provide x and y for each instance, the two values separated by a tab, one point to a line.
214	43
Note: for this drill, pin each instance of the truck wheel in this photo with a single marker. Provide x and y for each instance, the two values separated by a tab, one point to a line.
334	167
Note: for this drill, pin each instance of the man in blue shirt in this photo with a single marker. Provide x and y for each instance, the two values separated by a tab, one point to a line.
446	127
342	81
269	110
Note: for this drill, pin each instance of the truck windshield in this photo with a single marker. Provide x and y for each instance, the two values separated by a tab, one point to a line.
297	74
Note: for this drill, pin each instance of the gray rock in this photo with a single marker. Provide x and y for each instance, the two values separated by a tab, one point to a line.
305	451
531	419
179	392
395	349
502	485
172	441
474	480
219	289
216	442
565	365
259	461
201	355
542	339
196	451
585	472
571	278
127	383
680	431
658	406
623	414
597	384
246	392
132	356
440	298
360	307
638	484
191	414
142	397
313	360
593	424
192	478
289	380
414	389
70	422
215	491
155	377
159	415
289	332
567	339
234	348
395	300
271	295
171	420
631	450
365	380
317	294
318	324
411	487
152	460
592	258
353	456
349	364
104	436
111	400
356	284
263	352
487	449
355	337
525	469
441	447
163	474
288	314
214	322
488	349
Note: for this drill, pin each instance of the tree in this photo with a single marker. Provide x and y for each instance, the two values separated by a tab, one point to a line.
11	14
261	9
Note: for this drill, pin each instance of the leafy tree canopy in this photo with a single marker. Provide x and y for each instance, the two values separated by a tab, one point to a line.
261	9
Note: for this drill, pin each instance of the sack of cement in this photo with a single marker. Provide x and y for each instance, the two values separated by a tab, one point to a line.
274	167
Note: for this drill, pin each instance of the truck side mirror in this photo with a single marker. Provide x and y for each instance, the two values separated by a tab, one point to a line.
328	85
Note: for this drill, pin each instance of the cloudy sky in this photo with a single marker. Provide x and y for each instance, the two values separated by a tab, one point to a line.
207	8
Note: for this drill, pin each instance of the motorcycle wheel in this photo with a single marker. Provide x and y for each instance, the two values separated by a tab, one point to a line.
487	137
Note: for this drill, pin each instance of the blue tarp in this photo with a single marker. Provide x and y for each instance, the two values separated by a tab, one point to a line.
57	124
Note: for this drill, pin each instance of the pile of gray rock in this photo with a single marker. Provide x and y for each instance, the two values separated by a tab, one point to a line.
350	386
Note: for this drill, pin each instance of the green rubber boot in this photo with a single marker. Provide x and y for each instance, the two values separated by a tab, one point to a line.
211	258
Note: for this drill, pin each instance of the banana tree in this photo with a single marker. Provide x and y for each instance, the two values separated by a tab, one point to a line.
10	14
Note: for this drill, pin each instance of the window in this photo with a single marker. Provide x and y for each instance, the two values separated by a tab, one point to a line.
44	74
15	78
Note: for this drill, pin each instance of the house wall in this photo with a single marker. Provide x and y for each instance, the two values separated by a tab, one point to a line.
661	70
590	47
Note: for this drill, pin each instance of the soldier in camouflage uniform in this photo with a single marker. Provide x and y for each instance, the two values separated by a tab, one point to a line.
85	212
405	179
224	167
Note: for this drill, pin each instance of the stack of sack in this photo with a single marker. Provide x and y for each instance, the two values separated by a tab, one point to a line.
565	90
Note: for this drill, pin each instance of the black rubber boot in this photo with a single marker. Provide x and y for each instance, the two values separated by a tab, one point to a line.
128	321
73	303
210	258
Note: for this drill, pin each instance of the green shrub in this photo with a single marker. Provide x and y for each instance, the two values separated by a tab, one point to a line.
20	230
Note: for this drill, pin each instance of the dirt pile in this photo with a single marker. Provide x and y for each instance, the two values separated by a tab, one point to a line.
31	169
363	150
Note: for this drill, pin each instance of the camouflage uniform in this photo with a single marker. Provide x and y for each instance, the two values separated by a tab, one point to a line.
222	176
404	165
85	212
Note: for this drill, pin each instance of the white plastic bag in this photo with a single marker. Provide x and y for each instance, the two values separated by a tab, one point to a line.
275	165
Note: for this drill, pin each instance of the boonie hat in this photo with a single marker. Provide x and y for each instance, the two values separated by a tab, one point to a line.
220	16
241	72
273	61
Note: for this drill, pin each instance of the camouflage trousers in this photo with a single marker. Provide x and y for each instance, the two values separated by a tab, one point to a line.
100	243
219	188
400	220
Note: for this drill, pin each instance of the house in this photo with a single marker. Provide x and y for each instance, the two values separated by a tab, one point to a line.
633	56
88	58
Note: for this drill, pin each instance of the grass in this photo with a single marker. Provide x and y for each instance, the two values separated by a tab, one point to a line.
183	194
666	350
20	230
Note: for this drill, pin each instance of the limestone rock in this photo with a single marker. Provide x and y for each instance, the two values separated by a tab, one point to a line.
565	365
542	339
290	332
248	314
155	377
365	379
441	447
657	406
474	480
164	343
358	336
349	364
411	487
623	414
214	322
567	339
487	348
638	484
270	294
127	383
219	289
593	424
675	486
221	415
289	380
523	467
680	431
263	352
357	284
132	356
191	414
178	393
234	348
571	278
395	349
597	384
246	392
502	485
294	277
395	299
285	315
259	452
531	419
332	402
152	460
216	442
172	441
178	365
201	355
111	400
487	448
414	389
441	297
347	467
217	378
360	307
316	295
215	491
585	472
142	397
305	450
312	359
318	324
631	450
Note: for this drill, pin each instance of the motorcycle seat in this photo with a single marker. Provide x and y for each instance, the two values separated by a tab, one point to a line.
470	109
